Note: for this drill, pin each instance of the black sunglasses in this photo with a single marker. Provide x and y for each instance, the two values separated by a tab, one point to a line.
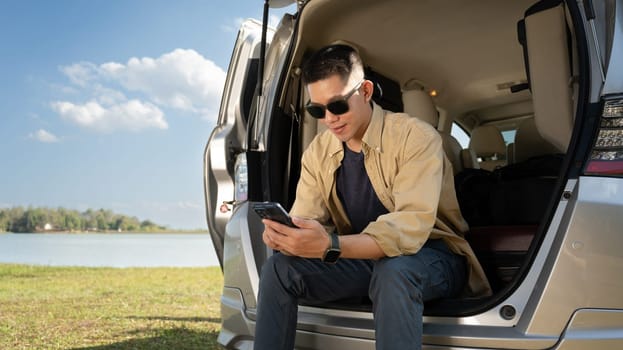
337	107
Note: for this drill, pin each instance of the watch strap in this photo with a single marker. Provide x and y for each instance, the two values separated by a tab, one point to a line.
332	254
335	241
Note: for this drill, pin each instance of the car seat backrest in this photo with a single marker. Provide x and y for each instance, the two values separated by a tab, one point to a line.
529	142
469	159
419	104
547	54
489	147
453	150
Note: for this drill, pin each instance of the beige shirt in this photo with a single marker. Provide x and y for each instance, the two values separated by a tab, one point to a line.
411	176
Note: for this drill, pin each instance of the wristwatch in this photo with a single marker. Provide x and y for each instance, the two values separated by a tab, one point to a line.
333	252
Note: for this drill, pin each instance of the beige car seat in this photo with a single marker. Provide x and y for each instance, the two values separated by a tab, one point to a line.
419	104
489	147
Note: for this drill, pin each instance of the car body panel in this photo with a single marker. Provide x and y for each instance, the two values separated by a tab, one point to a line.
276	57
589	256
228	136
239	254
593	329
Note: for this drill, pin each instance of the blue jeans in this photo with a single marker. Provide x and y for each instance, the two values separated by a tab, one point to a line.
398	288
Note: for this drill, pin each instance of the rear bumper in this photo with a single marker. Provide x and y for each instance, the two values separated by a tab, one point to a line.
588	328
593	329
237	329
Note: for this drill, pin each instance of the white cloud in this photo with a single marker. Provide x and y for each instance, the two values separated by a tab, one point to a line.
189	205
43	136
181	79
234	26
273	21
108	96
80	73
131	115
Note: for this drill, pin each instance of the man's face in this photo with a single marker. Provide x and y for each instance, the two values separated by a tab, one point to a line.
350	126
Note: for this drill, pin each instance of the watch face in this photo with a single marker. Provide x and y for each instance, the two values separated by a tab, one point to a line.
331	255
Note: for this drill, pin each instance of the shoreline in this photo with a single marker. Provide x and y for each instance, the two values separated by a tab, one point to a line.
108	232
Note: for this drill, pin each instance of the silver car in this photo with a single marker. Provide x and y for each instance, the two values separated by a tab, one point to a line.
528	99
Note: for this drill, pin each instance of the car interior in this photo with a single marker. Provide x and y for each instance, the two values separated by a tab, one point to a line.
488	67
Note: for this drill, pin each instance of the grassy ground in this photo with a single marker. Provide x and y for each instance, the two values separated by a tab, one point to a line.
107	308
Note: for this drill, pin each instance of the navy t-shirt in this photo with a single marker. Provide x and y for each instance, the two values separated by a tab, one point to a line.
355	191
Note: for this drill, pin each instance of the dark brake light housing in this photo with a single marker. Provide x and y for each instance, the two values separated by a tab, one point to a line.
606	156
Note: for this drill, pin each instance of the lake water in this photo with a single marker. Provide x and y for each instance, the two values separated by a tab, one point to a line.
112	250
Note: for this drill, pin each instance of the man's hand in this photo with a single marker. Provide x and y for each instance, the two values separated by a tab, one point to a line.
309	240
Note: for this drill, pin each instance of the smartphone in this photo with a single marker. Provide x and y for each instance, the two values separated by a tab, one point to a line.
273	211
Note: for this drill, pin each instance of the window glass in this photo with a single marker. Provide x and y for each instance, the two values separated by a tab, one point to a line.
509	136
460	135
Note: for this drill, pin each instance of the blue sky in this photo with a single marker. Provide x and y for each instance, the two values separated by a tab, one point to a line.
109	104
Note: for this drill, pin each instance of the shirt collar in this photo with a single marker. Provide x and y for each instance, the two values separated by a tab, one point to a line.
371	138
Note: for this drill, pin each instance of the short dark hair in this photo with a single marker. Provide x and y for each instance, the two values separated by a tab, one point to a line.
337	59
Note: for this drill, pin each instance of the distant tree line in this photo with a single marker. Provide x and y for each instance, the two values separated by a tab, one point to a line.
19	219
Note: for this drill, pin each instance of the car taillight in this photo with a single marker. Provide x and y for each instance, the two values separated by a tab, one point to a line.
607	154
241	178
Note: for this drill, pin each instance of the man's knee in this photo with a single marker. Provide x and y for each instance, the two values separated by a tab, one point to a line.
275	268
279	275
398	276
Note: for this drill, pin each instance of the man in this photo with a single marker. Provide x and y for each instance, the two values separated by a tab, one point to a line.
376	212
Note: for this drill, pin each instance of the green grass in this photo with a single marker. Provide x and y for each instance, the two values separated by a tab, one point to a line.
109	308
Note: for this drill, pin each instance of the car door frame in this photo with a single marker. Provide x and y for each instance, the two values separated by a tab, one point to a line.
228	138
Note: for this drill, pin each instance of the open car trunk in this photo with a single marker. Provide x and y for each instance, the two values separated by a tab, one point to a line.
477	60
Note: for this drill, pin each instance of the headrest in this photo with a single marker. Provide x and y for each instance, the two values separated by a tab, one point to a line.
487	141
418	103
